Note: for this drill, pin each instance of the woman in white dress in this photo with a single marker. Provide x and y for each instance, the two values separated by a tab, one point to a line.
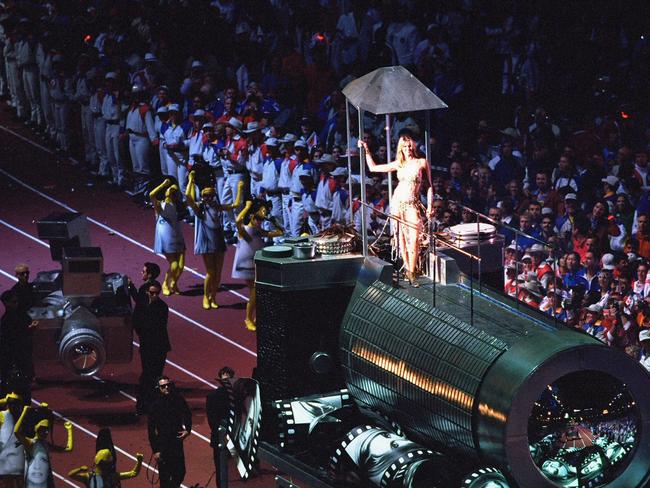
251	239
169	235
209	240
406	204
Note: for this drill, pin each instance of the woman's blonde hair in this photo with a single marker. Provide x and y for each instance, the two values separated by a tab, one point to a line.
399	155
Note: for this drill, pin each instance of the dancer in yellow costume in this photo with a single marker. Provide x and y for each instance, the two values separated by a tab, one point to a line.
169	235
38	473
103	474
251	238
209	240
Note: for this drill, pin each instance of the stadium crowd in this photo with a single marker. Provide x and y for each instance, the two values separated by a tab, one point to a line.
536	137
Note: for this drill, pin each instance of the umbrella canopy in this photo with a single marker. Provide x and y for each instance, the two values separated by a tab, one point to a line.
389	90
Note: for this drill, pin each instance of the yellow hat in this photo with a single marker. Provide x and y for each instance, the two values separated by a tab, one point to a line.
208	190
13	396
103	456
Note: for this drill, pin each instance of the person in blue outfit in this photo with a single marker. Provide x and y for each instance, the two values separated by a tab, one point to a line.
169	236
209	241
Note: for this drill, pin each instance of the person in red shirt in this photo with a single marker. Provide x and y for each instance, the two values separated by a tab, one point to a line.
643	235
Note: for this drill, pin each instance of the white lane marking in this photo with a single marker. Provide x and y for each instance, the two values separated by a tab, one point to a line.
108	228
65	480
94	436
175	312
133	399
28	141
11	277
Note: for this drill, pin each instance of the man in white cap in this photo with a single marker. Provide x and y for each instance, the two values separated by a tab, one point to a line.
325	189
233	160
112	113
565	222
174	142
255	156
83	90
146	77
60	94
297	187
141	131
289	162
99	129
194	142
340	198
644	341
271	178
308	195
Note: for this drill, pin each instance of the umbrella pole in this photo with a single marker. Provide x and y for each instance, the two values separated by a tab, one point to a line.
362	177
388	159
347	123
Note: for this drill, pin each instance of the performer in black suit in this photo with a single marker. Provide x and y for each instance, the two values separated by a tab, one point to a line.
217	410
150	323
170	423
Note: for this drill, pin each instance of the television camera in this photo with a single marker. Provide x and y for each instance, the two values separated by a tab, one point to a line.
84	314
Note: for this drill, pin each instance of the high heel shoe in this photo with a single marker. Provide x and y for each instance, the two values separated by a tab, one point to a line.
250	325
213	304
206	303
413	281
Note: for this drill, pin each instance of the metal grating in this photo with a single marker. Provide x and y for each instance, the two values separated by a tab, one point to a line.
416	363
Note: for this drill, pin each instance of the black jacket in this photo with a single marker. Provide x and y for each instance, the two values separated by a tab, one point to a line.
168	415
140	297
217	406
15	335
26	295
151	327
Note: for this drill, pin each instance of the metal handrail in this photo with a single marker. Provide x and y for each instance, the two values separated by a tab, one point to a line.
427	234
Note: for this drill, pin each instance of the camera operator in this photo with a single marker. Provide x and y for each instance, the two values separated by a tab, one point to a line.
15	340
150	322
170	422
216	407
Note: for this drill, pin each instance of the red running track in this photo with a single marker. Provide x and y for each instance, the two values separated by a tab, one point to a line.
34	183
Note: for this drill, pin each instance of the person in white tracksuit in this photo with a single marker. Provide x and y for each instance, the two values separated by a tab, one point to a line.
61	93
16	91
296	188
44	60
174	141
111	112
233	160
160	126
25	49
99	130
141	131
286	168
82	92
271	178
254	155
